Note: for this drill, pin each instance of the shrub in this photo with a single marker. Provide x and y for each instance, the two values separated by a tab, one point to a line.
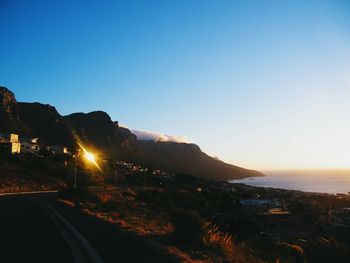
158	201
187	227
326	250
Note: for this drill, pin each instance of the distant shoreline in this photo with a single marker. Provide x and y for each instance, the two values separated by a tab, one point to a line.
330	182
300	192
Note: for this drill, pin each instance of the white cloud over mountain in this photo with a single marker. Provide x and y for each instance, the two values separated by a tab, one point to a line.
123	126
154	136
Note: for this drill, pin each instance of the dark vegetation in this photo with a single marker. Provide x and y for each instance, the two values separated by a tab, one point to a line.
30	172
306	236
190	204
187	227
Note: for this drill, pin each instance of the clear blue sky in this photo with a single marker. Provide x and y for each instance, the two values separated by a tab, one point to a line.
263	84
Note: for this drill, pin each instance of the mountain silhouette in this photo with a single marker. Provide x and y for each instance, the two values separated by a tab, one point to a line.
96	129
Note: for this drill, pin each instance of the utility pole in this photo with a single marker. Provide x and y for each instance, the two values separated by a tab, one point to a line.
116	177
75	171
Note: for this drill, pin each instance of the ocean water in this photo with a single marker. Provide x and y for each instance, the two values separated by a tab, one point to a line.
320	181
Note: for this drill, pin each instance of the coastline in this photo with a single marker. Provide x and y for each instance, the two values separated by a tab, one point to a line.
328	181
293	192
274	190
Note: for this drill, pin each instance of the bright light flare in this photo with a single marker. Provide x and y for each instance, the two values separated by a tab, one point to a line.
89	156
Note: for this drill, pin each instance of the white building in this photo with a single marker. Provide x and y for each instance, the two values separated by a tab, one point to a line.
29	145
10	142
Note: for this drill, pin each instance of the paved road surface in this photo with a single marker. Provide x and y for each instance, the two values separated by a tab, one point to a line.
29	235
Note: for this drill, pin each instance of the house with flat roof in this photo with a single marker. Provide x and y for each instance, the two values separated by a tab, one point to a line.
10	143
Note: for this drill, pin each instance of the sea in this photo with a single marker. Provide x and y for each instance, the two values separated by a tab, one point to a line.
319	181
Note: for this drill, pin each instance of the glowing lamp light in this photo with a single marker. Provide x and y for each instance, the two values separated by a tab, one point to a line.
90	157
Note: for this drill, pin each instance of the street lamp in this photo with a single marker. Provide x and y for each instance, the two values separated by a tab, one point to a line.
116	177
75	171
90	157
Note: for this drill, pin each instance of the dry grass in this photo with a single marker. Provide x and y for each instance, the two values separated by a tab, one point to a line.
223	244
137	218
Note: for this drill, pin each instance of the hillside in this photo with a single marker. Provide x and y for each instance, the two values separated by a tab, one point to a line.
98	130
187	158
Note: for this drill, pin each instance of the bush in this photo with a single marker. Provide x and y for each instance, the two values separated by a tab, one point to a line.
326	250
158	201
187	227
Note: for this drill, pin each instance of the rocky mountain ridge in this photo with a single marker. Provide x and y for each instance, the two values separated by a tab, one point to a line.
98	130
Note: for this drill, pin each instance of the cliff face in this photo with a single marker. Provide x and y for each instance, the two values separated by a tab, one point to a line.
7	101
8	111
97	130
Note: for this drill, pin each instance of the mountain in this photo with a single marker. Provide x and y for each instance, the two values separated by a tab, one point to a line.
95	127
45	122
9	118
33	120
99	131
187	158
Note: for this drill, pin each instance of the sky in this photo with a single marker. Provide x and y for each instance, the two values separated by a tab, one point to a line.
261	84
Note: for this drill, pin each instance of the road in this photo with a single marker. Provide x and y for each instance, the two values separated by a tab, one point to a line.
28	235
37	228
